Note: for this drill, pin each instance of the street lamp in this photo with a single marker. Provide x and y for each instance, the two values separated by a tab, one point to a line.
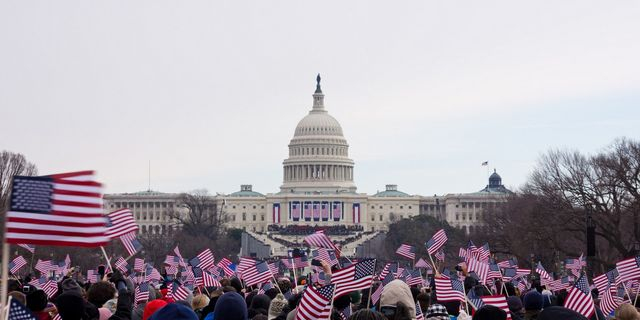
591	240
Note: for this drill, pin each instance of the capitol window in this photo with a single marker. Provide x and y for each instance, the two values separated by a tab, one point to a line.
457	216
234	207
244	216
409	207
401	207
380	217
254	217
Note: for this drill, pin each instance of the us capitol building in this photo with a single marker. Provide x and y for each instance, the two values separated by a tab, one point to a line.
318	189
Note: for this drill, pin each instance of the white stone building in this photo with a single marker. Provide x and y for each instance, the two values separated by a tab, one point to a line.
319	190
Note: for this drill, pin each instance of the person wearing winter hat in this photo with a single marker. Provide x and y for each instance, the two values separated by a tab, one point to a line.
174	311
259	305
70	305
237	284
515	307
396	298
230	306
152	307
436	312
533	303
560	313
37	302
489	312
277	305
70	285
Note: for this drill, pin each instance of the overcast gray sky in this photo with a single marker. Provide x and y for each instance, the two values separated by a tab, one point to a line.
211	91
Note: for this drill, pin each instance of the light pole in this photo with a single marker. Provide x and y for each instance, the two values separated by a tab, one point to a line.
591	240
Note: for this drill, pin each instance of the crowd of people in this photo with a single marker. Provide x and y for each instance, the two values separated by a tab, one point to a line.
113	299
302	230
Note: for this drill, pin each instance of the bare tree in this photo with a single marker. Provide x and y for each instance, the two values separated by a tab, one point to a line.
198	215
12	164
548	216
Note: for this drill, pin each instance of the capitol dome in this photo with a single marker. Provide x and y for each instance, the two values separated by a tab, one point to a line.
318	154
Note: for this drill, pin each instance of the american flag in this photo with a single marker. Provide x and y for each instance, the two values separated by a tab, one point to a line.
602	281
324	211
483	253
273	267
511	263
265	287
494	272
152	274
120	222
122	265
413	278
57	210
327	255
610	300
422	264
543	273
19	312
406	251
179	292
141	293
375	296
419	314
257	274
92	276
579	298
31	248
172	260
45	266
225	264
295	210
316	211
209	280
245	264
17	264
171	270
131	243
318	277
436	242
479	267
448	289
320	240
388	268
499	301
628	269
138	264
316	303
50	288
203	260
357	276
440	255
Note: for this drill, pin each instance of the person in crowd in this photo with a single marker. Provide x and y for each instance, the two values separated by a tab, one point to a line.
489	312
230	306
152	307
424	300
259	305
38	303
436	312
367	314
515	307
100	292
559	313
277	307
626	312
396	301
174	311
198	303
533	303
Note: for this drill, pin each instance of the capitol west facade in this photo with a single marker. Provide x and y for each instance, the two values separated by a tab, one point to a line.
318	189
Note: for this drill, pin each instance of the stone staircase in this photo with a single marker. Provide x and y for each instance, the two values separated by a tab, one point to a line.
278	249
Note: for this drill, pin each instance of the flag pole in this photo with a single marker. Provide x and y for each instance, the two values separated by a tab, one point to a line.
432	263
5	274
375	262
8	307
33	254
104	252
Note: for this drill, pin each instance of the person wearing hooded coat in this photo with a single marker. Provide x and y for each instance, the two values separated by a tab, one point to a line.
230	306
397	294
259	305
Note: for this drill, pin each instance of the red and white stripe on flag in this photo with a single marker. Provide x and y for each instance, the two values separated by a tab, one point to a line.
316	303
120	222
406	251
356	213
436	242
628	269
57	210
497	301
579	298
276	213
